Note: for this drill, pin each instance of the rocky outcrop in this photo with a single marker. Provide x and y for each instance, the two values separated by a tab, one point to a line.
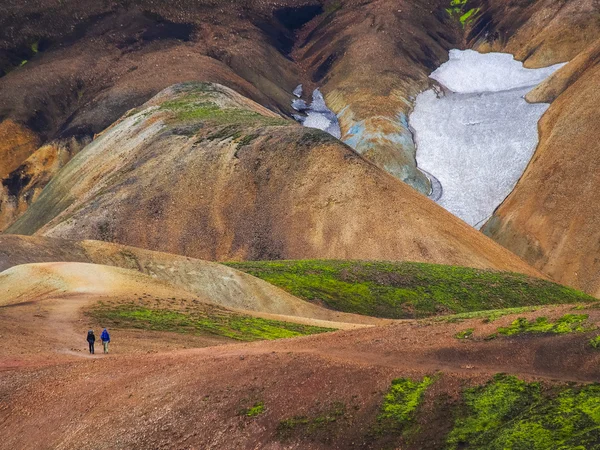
22	186
204	172
538	32
372	60
552	218
17	142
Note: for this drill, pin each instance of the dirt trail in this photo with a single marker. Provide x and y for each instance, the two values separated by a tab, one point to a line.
60	323
186	398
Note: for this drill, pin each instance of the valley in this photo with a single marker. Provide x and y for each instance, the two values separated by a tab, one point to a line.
306	224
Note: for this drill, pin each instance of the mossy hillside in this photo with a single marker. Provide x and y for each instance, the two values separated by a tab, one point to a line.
509	413
487	316
217	322
197	104
400	290
569	323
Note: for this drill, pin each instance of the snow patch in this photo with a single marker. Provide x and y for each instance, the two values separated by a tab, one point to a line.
317	114
469	72
479	136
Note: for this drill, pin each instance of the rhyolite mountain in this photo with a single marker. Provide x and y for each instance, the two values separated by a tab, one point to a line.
157	179
71	69
203	172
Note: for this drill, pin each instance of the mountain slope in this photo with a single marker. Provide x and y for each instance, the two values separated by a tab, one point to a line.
203	172
552	218
538	32
216	283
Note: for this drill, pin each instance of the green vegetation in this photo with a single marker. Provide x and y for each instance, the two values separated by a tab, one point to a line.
311	137
400	290
569	323
216	321
199	102
308	425
256	410
466	334
595	342
400	405
459	10
588	306
508	413
227	132
247	140
486	316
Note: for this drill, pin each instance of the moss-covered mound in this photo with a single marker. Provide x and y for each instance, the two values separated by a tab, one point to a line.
569	323
508	413
407	290
200	321
504	413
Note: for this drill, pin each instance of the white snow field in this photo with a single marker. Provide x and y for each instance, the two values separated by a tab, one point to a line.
318	115
478	136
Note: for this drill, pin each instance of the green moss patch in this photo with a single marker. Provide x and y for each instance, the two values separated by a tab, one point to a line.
400	290
400	405
459	10
595	342
213	321
569	323
256	410
508	413
465	334
195	106
487	316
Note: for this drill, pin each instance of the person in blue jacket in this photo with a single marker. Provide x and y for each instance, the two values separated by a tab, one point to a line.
91	339
105	338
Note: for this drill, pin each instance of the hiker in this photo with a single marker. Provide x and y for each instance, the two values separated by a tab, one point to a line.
105	337
91	339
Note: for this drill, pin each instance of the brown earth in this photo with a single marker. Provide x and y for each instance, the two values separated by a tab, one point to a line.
16	143
71	68
251	189
42	308
222	285
552	218
86	63
538	32
187	399
24	184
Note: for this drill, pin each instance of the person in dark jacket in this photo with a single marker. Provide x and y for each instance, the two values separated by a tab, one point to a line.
105	337
91	339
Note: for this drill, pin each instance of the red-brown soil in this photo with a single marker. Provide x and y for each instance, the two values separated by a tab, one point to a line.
216	283
193	398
